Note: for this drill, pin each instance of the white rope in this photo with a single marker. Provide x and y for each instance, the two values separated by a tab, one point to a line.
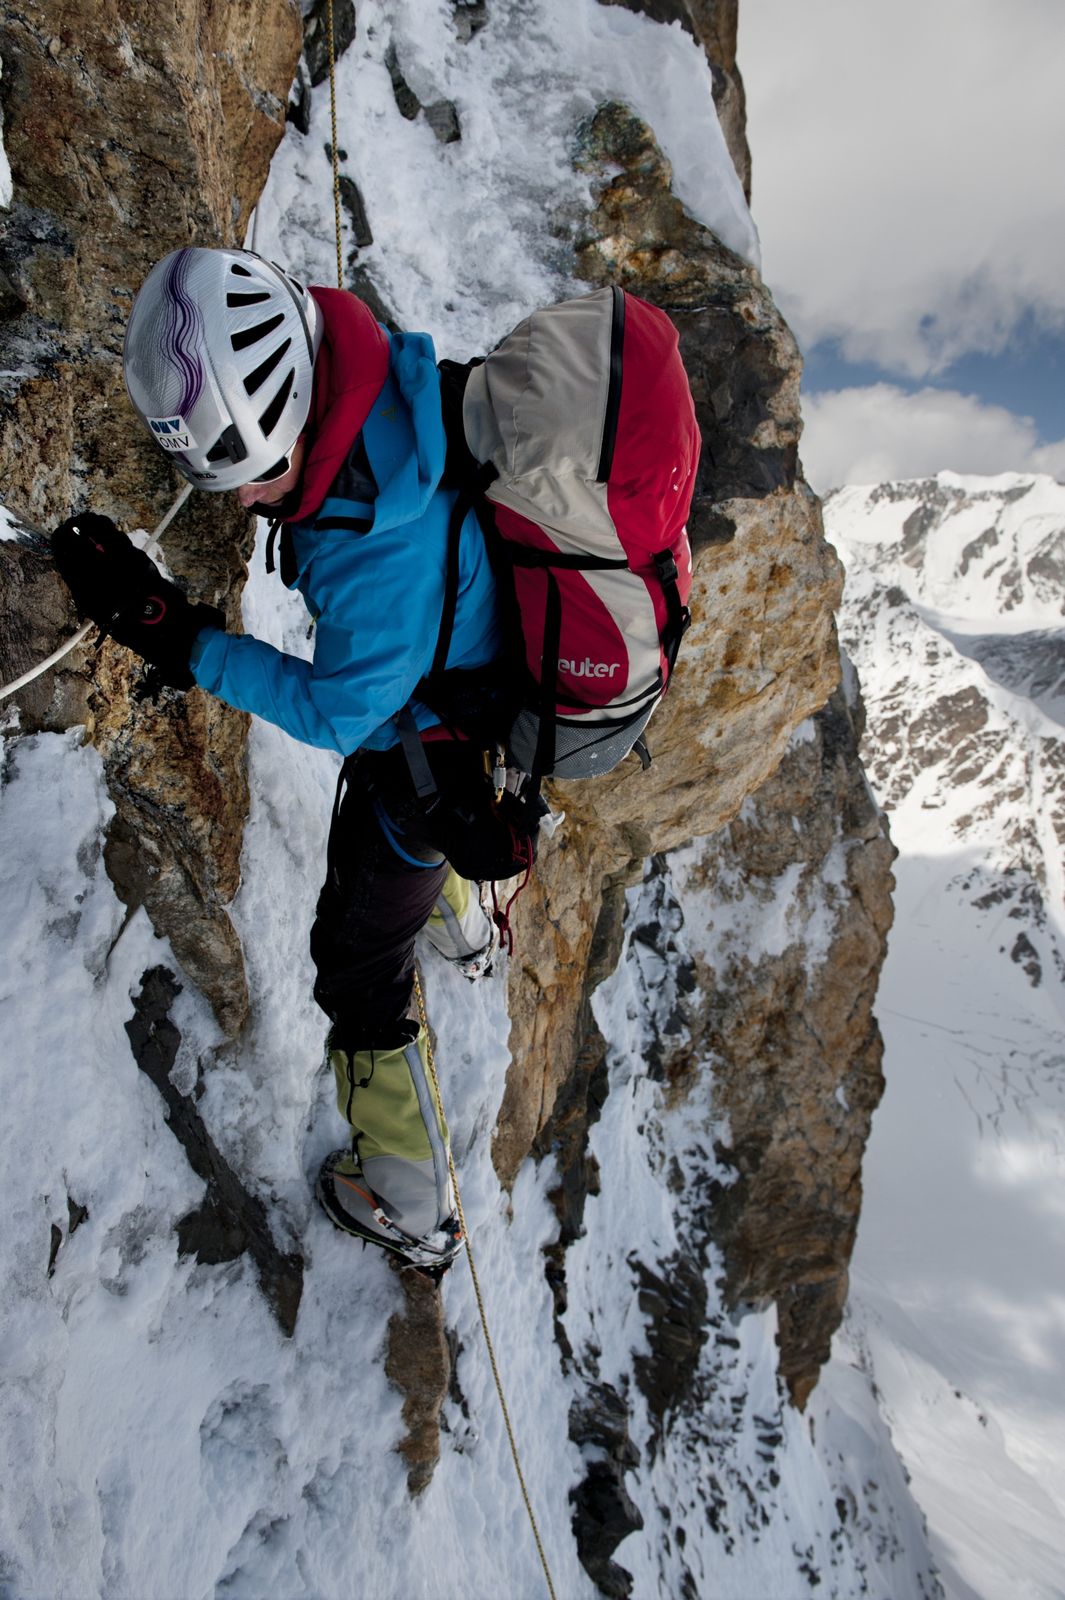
151	548
55	657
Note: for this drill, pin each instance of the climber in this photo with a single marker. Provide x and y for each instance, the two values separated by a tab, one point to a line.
320	420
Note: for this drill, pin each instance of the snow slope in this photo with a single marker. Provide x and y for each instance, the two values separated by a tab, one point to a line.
953	613
162	1438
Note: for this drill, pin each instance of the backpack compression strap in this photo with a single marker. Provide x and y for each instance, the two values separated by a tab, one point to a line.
678	616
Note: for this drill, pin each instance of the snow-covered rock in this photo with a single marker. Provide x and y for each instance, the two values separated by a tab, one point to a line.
5	165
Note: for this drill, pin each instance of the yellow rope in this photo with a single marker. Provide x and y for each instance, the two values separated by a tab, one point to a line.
336	159
480	1300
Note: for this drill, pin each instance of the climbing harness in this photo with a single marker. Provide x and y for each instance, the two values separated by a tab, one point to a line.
152	548
420	997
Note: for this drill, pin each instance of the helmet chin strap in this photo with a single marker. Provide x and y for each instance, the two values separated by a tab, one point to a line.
278	510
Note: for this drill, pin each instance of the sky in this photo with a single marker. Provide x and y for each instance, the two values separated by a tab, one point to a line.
910	196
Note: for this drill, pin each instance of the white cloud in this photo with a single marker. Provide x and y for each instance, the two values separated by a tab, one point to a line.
879	433
908	181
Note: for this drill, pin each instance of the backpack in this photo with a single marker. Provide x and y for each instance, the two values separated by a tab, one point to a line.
577	443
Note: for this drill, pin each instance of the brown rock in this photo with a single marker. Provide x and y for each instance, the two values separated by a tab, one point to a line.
796	1076
35	618
796	1047
418	1363
795	1038
177	112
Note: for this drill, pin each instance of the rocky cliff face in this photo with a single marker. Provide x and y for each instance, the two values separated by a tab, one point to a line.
787	1033
786	1016
177	118
761	654
128	137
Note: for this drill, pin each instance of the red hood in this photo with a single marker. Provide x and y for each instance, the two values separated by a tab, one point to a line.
349	371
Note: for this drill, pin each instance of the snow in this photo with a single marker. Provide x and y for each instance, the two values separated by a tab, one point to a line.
722	923
471	236
5	166
1003	524
772	1482
278	1455
956	1310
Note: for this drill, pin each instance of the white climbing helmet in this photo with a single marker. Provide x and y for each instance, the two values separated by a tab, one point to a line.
218	360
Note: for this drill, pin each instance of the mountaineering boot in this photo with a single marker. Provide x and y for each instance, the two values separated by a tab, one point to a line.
351	1205
392	1185
461	929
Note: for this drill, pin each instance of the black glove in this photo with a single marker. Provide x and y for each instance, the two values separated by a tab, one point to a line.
122	590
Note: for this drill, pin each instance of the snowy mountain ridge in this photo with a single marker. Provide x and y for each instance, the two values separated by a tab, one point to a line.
978	548
954	614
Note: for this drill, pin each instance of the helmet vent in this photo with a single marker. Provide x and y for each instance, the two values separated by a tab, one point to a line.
241	341
268	420
230	446
242	272
256	379
249	297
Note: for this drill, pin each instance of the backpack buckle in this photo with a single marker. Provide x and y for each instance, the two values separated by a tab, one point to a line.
666	566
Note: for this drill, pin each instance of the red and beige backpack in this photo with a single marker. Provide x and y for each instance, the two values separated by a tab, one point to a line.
584	448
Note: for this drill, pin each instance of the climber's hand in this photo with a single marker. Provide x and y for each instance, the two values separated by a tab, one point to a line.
121	588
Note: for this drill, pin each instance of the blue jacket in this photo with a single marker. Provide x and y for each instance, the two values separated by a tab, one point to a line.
376	595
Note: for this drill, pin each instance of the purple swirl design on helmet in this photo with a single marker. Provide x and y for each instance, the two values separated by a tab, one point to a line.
183	331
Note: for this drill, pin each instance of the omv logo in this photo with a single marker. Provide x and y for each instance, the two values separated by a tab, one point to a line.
172	433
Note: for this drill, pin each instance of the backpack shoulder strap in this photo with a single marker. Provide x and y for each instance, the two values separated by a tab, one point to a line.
469	498
463	502
460	465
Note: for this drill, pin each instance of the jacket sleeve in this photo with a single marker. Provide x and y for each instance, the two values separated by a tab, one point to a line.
254	676
373	642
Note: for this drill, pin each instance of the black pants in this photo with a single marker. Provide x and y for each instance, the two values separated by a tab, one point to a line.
383	878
